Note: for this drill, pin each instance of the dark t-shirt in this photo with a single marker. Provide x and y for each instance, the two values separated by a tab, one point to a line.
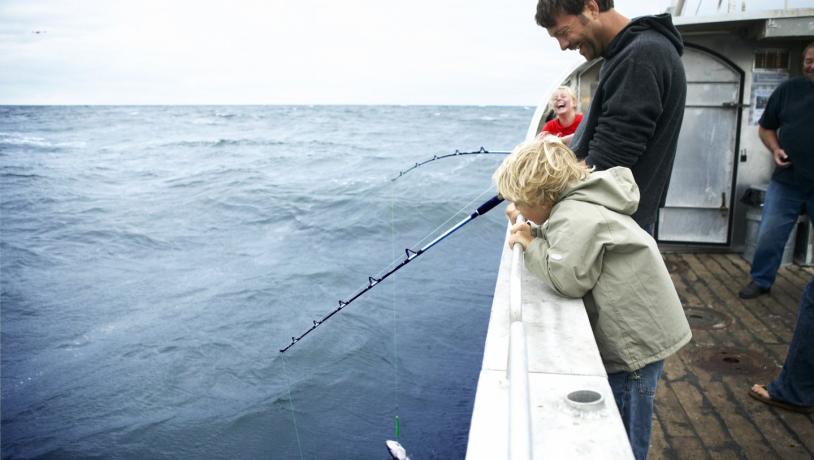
790	112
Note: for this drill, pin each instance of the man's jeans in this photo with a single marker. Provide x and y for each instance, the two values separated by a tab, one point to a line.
780	211
634	393
795	384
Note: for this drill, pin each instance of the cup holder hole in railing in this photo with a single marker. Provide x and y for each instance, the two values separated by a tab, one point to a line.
585	399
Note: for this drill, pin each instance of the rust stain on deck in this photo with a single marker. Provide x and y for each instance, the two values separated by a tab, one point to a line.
735	361
705	317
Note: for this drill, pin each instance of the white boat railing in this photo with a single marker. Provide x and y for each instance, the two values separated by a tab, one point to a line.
518	369
542	392
516	280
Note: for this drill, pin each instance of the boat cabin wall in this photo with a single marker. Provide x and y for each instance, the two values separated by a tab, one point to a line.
753	164
727	88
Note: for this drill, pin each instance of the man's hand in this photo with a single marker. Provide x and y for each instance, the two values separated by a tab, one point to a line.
780	158
520	233
769	139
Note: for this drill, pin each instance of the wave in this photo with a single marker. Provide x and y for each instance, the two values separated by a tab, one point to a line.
19	257
20	176
104	238
319	144
27	141
183	256
219	178
17	139
216	118
223	142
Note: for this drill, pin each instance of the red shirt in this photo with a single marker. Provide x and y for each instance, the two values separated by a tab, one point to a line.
554	127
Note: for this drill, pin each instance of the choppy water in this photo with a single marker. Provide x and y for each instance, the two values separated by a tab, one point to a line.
155	259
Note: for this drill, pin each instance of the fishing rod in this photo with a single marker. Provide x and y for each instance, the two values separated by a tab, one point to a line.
410	255
482	151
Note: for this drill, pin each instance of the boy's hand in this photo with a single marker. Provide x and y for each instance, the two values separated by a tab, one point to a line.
520	233
512	212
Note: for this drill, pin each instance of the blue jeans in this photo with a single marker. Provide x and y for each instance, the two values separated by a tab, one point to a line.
795	384
634	393
780	211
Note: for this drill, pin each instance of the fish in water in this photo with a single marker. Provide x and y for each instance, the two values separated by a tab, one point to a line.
396	450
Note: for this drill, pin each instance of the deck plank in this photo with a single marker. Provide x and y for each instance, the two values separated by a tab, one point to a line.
704	411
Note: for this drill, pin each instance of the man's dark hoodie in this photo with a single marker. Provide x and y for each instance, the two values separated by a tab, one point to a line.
636	112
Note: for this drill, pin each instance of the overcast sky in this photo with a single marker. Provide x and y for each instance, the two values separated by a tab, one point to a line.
280	51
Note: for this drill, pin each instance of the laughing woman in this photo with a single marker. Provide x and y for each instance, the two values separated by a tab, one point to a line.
564	106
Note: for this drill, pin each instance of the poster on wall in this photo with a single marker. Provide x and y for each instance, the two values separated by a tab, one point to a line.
764	82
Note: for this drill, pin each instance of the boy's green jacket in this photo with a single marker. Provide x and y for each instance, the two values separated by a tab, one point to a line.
590	247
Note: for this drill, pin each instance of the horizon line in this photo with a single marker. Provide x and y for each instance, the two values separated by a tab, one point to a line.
262	105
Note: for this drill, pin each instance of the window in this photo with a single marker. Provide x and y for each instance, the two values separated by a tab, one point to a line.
772	59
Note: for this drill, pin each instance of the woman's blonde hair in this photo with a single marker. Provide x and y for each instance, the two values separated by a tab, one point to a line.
538	171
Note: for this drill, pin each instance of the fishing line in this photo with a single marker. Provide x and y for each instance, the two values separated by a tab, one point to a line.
397	423
429	234
410	255
482	151
372	281
433	231
452	217
291	405
395	313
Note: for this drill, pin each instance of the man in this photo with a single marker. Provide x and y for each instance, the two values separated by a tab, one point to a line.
633	121
786	130
636	113
793	389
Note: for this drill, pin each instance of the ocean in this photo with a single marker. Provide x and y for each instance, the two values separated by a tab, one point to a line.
155	259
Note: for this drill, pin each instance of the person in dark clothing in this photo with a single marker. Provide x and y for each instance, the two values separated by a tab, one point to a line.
793	389
786	130
636	113
633	121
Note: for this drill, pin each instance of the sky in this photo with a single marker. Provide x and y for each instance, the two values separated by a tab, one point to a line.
481	52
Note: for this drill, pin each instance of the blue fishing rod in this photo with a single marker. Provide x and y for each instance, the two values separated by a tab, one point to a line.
410	255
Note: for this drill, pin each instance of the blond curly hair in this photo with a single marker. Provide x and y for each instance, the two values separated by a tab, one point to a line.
538	171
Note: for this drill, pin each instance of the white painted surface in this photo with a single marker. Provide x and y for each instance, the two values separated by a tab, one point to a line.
520	434
562	357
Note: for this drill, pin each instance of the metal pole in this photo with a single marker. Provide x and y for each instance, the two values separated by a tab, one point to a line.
515	296
519	402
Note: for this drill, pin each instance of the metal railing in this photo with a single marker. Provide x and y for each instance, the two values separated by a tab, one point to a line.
517	370
543	392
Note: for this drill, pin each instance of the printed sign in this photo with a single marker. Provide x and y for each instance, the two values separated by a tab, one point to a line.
764	82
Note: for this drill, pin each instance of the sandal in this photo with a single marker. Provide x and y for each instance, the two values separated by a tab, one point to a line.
777	403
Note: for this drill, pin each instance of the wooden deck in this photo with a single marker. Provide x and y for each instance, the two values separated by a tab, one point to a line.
702	406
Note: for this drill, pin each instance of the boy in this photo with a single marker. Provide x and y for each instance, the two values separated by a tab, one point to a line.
583	243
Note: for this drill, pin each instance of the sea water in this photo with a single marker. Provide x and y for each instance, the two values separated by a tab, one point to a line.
156	259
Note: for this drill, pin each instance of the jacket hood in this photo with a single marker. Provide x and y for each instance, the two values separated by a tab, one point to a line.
613	188
661	23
